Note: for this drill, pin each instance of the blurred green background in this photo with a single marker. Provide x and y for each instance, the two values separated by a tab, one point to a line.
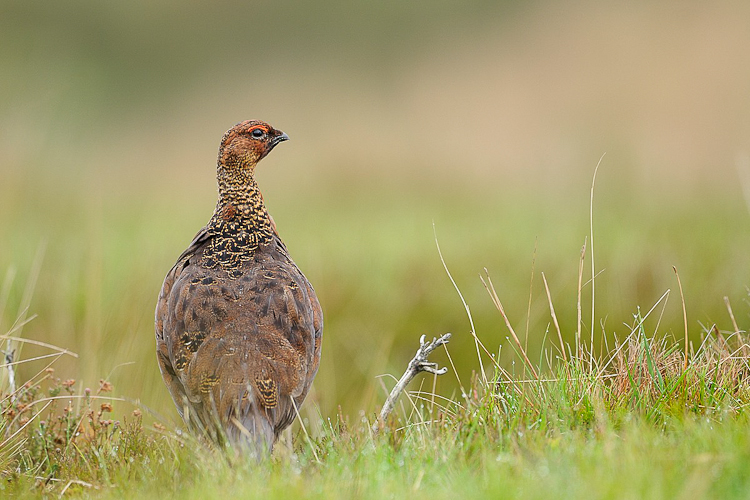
485	118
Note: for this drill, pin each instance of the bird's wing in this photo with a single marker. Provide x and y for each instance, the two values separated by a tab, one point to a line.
198	241
164	328
317	334
244	345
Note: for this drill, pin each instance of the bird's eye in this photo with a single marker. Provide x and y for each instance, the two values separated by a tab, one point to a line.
257	133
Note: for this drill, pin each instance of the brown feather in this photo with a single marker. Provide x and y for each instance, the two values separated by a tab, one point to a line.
238	326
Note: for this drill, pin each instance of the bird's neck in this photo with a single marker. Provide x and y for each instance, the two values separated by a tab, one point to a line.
240	206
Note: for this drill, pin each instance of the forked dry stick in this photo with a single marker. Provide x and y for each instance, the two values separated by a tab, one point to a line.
418	364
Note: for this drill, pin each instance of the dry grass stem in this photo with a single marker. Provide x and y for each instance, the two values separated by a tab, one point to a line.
466	306
554	318
684	315
593	268
731	314
496	300
28	360
38	343
579	347
304	429
531	293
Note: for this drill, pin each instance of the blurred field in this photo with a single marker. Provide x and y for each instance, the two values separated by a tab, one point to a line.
484	118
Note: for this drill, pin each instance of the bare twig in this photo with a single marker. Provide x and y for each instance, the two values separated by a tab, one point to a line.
418	364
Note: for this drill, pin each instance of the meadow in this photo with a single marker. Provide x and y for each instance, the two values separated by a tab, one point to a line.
608	428
482	137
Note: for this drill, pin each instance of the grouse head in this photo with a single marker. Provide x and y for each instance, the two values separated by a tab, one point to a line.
248	142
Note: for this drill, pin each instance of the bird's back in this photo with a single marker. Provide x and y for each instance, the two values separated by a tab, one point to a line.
239	349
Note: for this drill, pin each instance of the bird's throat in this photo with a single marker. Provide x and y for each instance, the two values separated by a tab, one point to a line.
240	208
240	226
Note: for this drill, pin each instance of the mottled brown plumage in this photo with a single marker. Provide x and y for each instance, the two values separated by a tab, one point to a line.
238	326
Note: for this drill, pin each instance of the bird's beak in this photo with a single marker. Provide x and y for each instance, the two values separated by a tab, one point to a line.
279	138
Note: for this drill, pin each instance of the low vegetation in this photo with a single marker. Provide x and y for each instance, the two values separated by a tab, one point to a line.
649	417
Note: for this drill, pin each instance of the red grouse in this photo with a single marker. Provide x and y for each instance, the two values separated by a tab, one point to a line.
238	326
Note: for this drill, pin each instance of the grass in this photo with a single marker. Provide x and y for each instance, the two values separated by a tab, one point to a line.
637	426
517	415
647	417
82	268
104	260
486	129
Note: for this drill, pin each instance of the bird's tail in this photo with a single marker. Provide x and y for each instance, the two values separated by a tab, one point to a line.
242	425
251	432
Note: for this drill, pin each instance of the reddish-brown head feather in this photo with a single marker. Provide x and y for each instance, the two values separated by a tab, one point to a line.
248	142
